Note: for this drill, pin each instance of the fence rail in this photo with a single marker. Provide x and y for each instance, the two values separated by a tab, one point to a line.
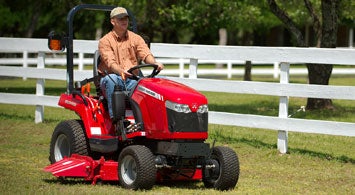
86	47
195	54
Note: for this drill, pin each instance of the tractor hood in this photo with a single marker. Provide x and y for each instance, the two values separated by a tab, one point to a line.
165	89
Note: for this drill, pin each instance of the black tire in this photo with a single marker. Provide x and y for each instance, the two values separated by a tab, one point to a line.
225	174
68	138
136	168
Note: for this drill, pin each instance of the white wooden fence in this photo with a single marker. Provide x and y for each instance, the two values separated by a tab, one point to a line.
196	53
80	60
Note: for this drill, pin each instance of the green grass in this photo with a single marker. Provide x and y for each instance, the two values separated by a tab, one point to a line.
316	164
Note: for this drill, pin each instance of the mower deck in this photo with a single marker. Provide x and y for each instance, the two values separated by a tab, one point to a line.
78	166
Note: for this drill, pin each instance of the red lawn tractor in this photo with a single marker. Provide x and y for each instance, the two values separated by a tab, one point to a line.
158	132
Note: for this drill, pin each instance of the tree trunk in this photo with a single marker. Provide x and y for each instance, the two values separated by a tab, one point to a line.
247	73
327	34
150	14
36	13
222	41
320	73
247	39
290	25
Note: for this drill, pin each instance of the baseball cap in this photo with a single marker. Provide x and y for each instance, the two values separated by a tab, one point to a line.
119	12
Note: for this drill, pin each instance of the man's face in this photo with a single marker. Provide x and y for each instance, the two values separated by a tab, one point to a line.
120	24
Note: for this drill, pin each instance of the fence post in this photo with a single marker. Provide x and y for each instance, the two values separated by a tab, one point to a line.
25	62
181	68
282	137
81	61
193	68
229	69
276	70
39	113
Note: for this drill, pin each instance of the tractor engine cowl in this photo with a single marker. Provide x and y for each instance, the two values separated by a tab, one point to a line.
171	110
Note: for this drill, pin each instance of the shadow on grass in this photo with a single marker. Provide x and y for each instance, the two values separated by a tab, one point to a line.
268	108
171	184
192	185
67	181
16	117
56	91
262	145
4	116
324	156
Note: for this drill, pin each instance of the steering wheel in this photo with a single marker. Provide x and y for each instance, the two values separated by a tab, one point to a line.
137	77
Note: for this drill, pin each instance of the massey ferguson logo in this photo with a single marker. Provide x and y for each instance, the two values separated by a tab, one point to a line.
150	92
70	102
194	106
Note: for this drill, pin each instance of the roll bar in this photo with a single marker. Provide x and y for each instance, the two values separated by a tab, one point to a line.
68	40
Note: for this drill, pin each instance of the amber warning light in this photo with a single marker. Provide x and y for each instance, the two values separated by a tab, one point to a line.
55	41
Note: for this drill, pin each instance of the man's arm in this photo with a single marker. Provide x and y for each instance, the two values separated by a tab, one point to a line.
151	60
145	53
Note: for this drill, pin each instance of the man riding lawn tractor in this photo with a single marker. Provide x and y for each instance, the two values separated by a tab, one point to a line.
137	129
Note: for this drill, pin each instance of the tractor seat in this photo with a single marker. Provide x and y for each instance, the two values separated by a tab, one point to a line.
97	77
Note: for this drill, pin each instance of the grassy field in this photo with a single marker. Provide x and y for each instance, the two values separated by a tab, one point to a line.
316	164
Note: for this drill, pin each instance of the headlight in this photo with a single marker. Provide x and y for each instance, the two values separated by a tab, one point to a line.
203	109
178	107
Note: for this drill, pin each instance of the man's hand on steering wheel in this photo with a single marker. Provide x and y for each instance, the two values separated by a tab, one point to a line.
127	74
160	66
153	74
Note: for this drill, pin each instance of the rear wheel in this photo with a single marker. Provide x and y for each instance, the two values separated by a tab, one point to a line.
68	138
222	170
136	168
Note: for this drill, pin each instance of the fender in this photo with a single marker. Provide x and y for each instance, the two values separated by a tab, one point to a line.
94	117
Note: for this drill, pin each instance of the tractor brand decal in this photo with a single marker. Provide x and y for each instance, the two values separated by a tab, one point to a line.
150	92
194	106
70	102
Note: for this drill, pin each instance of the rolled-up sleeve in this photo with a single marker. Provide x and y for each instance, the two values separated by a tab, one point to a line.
142	49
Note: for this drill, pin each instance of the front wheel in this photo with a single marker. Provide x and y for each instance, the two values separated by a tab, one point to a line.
222	169
136	168
68	138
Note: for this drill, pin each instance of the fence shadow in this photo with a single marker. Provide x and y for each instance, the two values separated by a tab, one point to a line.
260	144
32	90
270	108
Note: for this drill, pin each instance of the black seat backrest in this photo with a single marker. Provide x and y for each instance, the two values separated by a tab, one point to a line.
97	60
96	63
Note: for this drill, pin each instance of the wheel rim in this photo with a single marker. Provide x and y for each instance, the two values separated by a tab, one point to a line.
61	147
214	173
128	169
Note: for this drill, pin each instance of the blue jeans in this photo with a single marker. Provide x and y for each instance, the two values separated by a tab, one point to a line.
108	86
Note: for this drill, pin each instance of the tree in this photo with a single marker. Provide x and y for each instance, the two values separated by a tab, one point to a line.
325	29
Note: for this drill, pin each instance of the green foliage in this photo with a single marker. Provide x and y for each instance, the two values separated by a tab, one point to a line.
298	12
7	20
347	11
184	21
